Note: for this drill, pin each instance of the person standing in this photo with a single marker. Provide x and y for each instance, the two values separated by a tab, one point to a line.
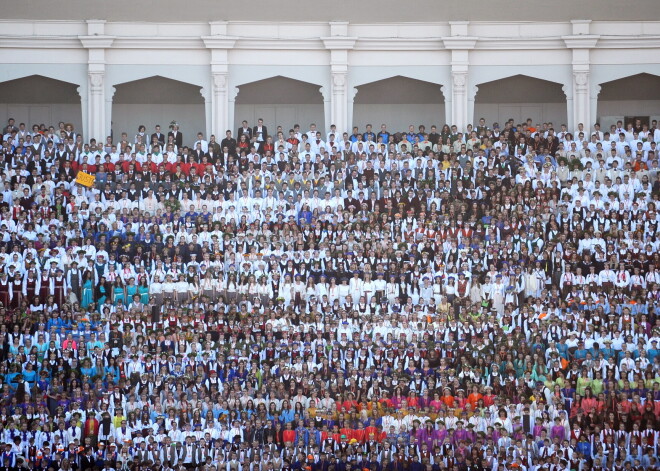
176	135
260	132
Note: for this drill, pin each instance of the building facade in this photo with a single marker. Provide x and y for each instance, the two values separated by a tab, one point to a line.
111	76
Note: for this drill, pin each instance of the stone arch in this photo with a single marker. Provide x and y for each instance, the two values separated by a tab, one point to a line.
38	99
158	100
280	101
398	102
627	98
520	97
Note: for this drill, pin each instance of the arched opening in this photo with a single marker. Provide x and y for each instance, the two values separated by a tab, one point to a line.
41	100
158	101
399	102
521	97
629	98
280	101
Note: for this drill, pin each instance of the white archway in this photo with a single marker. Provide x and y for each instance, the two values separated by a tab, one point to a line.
399	101
158	100
629	97
438	75
37	99
280	101
520	97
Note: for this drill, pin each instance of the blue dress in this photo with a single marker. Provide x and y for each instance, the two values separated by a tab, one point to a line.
119	295
87	294
103	296
143	291
131	290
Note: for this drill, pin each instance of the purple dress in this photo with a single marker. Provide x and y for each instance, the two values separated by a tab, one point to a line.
426	436
461	434
558	431
537	430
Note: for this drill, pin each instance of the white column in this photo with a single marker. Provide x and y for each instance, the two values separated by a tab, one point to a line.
207	96
580	42
581	100
339	104
96	42
459	99
220	43
232	94
350	100
220	105
593	105
327	106
97	127
448	106
460	45
84	109
568	91
109	96
339	43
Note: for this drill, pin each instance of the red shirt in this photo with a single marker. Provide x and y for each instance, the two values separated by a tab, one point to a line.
489	400
360	435
289	436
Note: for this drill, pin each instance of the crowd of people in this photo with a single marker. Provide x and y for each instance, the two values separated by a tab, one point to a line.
372	300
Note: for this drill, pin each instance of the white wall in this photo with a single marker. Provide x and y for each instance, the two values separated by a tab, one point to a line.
399	117
539	112
127	117
47	114
369	49
280	115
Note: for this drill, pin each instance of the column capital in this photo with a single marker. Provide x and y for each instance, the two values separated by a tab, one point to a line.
338	82
581	80
219	81
339	79
96	79
459	79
